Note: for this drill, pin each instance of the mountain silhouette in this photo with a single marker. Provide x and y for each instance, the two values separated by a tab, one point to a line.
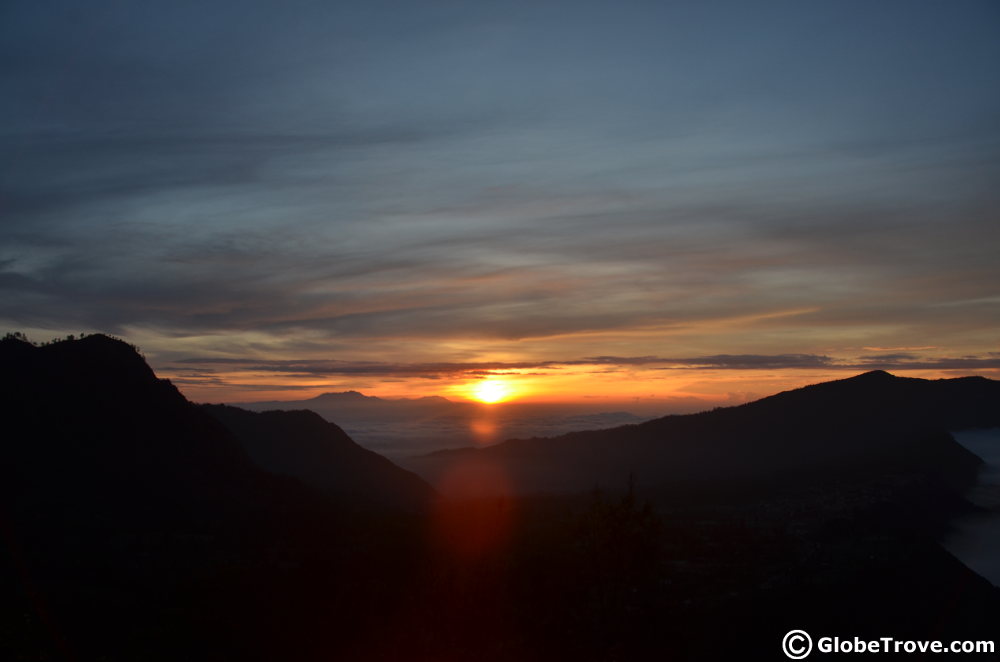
304	445
94	421
874	422
96	412
358	405
129	515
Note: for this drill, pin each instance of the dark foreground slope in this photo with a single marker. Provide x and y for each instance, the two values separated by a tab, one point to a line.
136	527
93	434
872	422
302	444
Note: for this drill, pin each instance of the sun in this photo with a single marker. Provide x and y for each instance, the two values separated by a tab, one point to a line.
490	391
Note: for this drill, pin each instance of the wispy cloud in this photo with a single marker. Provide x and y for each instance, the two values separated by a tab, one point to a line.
417	186
717	362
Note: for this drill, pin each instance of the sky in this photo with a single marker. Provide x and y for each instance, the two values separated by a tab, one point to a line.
665	201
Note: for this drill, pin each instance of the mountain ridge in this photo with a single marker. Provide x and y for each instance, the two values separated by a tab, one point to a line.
866	418
96	406
358	395
302	444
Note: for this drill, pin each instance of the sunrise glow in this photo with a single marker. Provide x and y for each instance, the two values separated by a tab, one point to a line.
490	391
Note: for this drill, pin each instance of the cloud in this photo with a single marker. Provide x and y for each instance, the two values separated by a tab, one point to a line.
335	367
423	176
311	369
887	359
966	363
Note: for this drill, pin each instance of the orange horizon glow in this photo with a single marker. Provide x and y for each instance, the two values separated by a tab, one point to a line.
259	366
653	391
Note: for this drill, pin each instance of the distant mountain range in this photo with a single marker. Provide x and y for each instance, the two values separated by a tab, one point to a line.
872	422
403	427
361	405
100	405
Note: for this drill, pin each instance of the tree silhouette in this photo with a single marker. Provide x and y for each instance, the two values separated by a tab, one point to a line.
620	543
